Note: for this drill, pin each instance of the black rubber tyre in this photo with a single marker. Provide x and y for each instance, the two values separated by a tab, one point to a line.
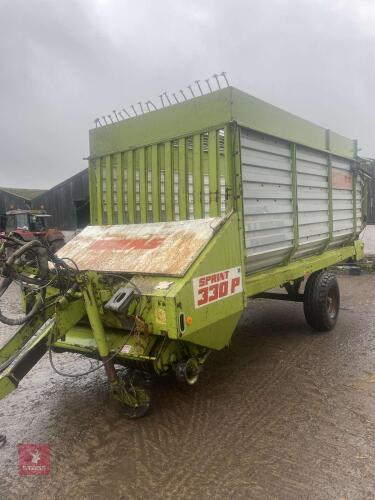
321	301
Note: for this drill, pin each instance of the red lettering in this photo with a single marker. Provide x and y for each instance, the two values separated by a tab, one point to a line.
235	283
128	243
223	289
213	292
202	296
202	281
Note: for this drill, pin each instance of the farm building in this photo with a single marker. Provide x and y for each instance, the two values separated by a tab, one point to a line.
67	202
11	198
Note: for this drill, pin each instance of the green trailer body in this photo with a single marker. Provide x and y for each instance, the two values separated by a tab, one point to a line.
195	208
296	188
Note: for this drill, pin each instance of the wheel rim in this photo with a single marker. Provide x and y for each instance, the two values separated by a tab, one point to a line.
332	304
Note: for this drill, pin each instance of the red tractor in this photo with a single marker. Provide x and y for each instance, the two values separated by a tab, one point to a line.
27	225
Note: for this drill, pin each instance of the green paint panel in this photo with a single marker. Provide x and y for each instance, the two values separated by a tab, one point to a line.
155	183
197	177
213	170
182	178
277	276
142	184
168	181
214	110
131	185
109	189
120	189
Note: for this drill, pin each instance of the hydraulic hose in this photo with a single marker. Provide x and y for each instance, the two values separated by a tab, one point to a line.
42	255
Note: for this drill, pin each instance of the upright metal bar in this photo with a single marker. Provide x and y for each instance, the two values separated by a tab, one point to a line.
120	189
213	172
142	184
99	190
155	183
109	189
182	177
197	177
93	193
330	203
354	188
168	181
294	179
131	186
228	167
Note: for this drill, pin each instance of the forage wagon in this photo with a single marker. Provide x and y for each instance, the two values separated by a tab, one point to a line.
195	208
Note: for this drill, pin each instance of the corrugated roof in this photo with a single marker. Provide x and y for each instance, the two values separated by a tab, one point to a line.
26	194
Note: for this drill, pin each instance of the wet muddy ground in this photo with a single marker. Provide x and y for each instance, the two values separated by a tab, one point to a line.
282	413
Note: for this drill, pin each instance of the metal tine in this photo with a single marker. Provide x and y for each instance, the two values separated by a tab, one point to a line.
207	80
183	95
217	80
191	90
115	113
147	106
161	98
104	119
121	115
133	108
97	122
127	114
153	105
223	74
141	107
166	95
110	117
199	86
174	95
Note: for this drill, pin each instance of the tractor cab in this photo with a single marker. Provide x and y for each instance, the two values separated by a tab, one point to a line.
28	225
33	221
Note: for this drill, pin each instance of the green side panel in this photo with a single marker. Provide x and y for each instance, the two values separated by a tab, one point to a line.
168	181
109	187
131	186
155	183
143	184
182	177
277	276
93	193
228	167
213	324
341	145
99	193
213	170
253	113
197	177
177	180
182	119
120	189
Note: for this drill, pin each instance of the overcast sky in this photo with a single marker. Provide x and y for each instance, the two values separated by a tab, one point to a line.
65	62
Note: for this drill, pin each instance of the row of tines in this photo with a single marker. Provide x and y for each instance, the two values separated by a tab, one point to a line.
196	89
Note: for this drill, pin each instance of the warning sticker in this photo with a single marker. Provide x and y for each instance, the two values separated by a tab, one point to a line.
216	286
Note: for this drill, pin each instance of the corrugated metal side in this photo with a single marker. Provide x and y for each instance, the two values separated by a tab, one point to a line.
313	203
282	223
185	178
267	199
342	200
